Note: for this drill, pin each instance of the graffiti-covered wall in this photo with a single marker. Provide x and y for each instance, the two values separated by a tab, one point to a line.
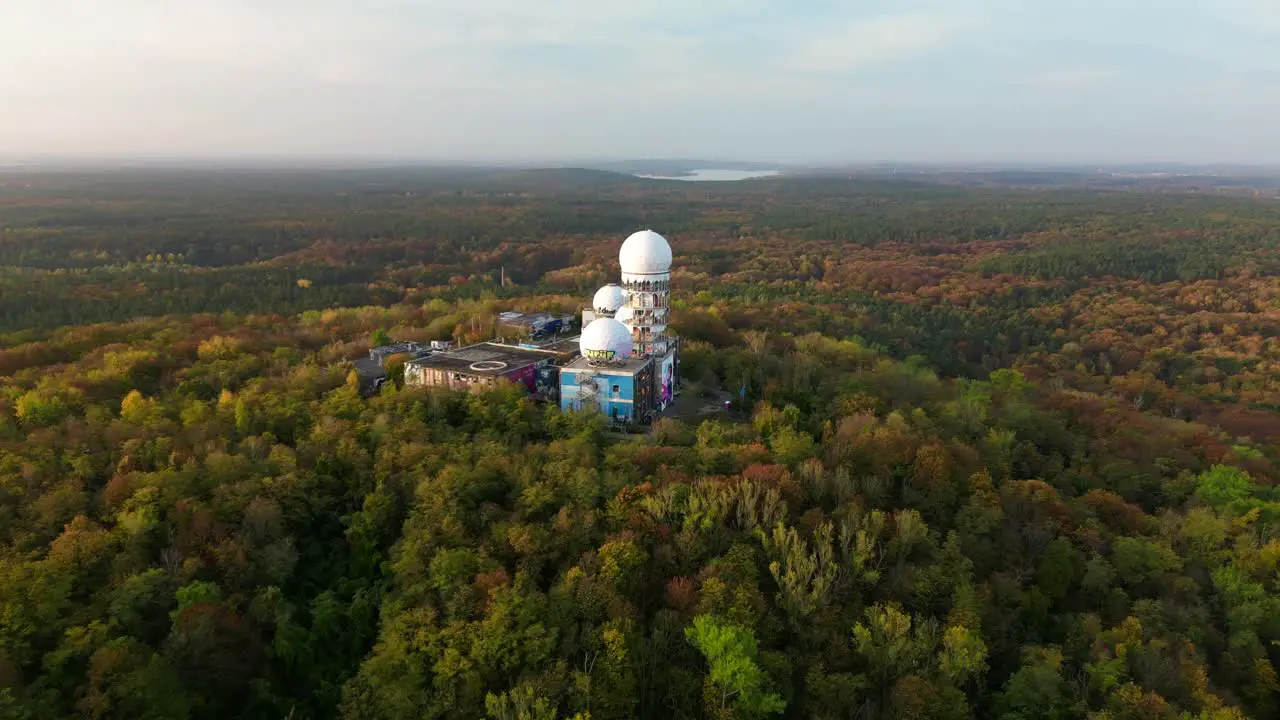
623	396
547	383
666	380
526	376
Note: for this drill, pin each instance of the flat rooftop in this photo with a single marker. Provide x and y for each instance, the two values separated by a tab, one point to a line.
397	348
369	367
567	346
484	359
534	318
633	365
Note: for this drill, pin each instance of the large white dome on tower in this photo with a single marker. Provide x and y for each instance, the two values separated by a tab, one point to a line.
645	253
609	298
606	339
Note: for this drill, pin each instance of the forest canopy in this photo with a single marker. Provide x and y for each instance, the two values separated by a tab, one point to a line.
992	452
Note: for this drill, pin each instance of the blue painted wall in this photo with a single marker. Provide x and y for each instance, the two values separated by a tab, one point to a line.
619	405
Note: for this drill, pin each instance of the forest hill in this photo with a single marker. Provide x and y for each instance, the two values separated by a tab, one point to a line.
999	462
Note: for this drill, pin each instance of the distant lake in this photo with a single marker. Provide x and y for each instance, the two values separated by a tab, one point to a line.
714	174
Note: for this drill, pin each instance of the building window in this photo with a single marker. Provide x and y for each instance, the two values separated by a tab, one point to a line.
616	390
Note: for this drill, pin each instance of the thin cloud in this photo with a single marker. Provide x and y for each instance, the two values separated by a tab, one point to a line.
1080	77
758	78
872	42
1255	17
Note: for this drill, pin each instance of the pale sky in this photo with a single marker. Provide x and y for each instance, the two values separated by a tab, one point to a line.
784	80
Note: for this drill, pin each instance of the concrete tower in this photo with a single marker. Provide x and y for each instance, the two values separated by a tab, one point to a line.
646	278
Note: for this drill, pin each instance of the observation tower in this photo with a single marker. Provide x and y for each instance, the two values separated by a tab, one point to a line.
646	279
630	363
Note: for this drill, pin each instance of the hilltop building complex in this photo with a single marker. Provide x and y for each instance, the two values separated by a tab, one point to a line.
630	364
625	363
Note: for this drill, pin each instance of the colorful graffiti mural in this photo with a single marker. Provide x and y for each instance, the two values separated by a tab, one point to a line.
547	383
525	376
667	388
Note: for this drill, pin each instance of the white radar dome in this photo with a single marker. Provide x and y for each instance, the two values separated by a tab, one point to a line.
609	298
645	253
625	315
606	339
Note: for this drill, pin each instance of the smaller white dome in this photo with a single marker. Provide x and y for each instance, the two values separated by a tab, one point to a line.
606	339
645	253
608	299
625	315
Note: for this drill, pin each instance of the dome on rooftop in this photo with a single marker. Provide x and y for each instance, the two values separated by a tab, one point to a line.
608	299
606	339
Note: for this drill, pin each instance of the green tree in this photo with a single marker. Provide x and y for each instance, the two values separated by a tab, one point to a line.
520	703
731	652
890	646
1222	485
963	654
1038	689
41	409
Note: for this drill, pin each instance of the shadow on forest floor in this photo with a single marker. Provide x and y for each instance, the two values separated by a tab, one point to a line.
693	406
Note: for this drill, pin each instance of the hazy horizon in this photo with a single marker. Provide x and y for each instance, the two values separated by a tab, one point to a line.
463	82
391	162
